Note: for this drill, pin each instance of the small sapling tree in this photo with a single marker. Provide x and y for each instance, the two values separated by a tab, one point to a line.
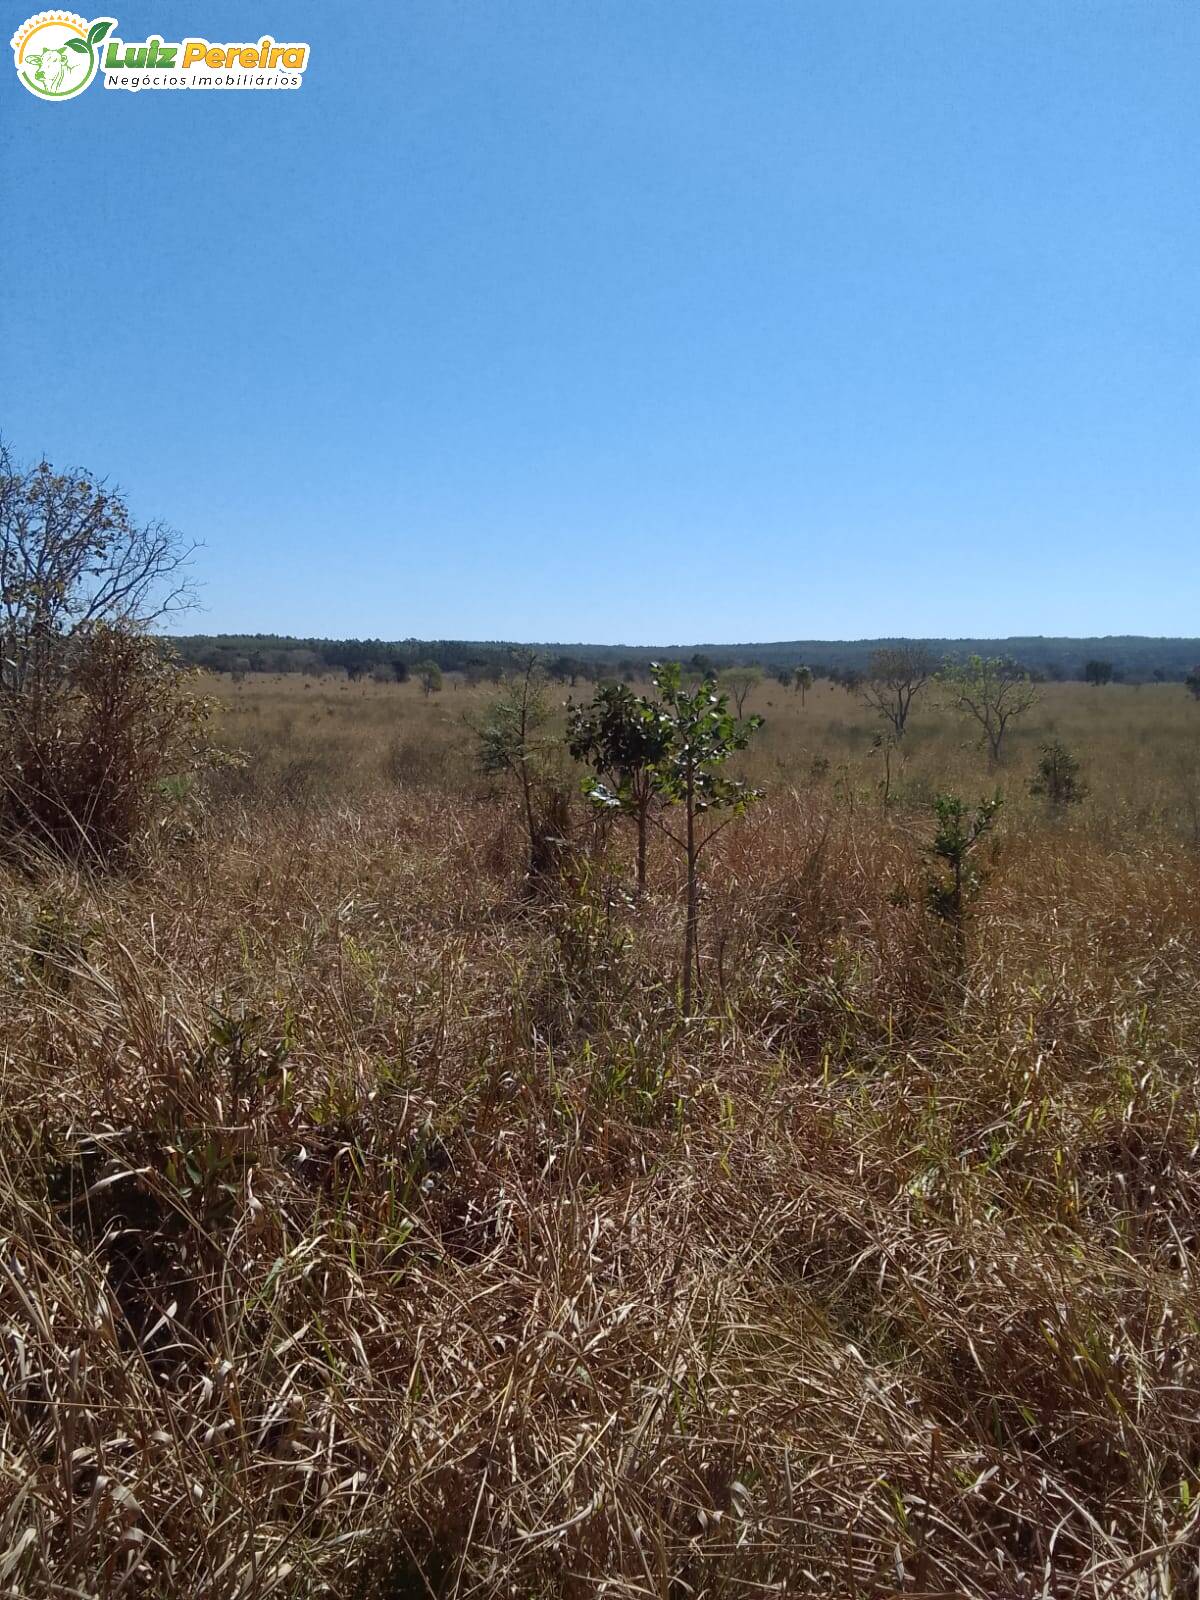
1057	779
884	745
803	680
956	884
511	744
622	737
702	735
992	690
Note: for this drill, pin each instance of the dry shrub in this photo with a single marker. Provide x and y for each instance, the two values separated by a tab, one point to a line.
90	752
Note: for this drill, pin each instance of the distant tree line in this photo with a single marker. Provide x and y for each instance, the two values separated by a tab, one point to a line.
794	665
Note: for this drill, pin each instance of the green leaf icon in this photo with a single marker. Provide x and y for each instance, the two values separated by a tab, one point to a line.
97	31
77	44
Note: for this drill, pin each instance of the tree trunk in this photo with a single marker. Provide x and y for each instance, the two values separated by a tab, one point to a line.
689	934
641	847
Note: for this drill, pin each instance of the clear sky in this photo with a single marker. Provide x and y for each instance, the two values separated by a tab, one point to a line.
642	320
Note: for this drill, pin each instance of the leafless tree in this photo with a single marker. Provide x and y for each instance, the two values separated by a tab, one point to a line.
71	556
895	676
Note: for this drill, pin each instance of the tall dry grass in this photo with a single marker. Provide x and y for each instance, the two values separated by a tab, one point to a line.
369	1229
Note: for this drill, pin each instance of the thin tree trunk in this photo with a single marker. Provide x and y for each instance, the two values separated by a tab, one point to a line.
641	848
689	935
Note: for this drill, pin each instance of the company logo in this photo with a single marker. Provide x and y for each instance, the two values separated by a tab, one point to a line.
58	54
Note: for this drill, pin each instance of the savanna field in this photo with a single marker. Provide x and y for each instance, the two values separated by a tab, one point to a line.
372	1224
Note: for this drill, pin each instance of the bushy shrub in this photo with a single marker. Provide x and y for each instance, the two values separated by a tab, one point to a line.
99	746
1057	777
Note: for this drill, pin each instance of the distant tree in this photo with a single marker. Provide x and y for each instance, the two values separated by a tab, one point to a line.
702	736
804	682
739	681
429	675
564	669
621	736
992	690
477	671
699	666
1098	672
1057	777
1193	682
895	677
399	668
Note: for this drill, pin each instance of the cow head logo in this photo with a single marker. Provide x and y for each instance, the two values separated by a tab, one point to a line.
57	54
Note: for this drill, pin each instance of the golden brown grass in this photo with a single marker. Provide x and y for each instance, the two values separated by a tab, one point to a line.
368	1228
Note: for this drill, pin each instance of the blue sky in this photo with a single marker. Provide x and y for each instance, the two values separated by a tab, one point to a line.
636	320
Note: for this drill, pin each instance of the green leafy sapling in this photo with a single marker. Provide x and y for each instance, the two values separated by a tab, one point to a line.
623	738
1057	779
702	735
956	884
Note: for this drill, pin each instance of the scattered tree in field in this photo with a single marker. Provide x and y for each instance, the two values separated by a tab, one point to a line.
956	884
1193	682
72	556
429	676
621	736
1098	672
803	680
894	679
701	737
478	671
1057	777
993	690
739	681
567	669
399	669
511	743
